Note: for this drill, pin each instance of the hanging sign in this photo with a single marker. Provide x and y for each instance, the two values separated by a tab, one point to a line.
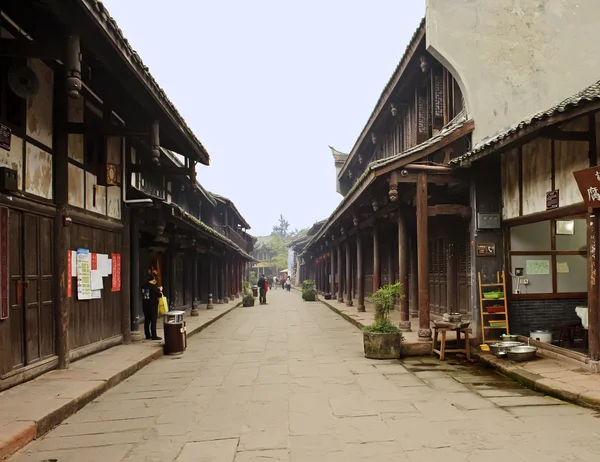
5	136
84	275
588	181
116	272
4	304
69	274
552	200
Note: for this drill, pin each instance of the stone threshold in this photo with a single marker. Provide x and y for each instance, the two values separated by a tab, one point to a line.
30	410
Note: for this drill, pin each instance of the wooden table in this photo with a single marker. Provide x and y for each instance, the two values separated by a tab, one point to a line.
442	350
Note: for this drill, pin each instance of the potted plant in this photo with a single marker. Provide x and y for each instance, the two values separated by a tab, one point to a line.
383	339
248	299
309	293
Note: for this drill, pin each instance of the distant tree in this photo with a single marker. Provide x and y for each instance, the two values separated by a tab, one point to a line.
281	229
279	255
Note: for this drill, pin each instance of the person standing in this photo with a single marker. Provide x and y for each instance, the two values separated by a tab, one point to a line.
275	282
288	283
150	296
262	292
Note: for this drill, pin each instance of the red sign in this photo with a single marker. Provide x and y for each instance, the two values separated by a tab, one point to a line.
588	181
69	274
4	306
94	261
116	272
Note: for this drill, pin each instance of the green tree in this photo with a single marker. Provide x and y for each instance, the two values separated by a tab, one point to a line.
281	229
279	255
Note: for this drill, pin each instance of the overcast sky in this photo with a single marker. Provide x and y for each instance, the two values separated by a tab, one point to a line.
267	85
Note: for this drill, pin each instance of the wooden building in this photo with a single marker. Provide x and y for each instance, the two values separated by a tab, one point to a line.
80	117
405	214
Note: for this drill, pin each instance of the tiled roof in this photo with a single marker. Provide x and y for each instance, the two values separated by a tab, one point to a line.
141	68
588	95
389	87
455	124
233	207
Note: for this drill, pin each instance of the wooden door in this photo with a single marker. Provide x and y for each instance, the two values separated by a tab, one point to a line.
31	319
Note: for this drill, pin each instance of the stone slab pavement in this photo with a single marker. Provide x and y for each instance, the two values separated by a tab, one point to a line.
29	410
288	382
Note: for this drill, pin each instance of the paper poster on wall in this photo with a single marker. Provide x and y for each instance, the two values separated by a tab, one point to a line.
109	264
69	274
103	264
562	267
116	272
73	263
537	267
94	262
84	276
96	294
96	280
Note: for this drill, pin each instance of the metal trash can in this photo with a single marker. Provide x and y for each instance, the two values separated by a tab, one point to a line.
175	333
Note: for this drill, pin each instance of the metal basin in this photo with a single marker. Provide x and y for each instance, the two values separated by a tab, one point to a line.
521	353
510	337
503	347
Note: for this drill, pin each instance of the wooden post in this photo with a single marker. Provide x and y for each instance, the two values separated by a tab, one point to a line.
376	259
172	271
211	283
195	283
403	272
225	280
125	294
348	286
360	273
422	258
62	233
137	317
413	298
593	315
332	262
390	261
340	295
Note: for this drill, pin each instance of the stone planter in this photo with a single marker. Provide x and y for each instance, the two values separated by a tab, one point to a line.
247	302
382	346
310	297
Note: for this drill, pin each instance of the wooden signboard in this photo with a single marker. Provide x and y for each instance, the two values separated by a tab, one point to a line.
4	300
588	181
552	200
5	136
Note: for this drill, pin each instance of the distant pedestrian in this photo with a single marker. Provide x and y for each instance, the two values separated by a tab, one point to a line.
288	283
282	281
274	282
262	282
150	296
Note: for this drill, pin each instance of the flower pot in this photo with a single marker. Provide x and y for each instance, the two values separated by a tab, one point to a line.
382	345
247	302
310	297
255	291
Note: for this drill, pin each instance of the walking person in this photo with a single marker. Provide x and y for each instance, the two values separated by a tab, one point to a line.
262	282
150	296
288	283
282	280
275	282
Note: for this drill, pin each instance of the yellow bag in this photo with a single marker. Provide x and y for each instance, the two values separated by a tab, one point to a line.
163	306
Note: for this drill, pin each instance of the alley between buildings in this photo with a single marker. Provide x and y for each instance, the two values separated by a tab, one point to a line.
288	382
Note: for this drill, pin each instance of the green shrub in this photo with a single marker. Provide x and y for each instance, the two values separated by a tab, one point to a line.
308	290
384	300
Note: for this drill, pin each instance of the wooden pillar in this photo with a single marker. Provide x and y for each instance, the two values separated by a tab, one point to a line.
422	257
195	284
172	271
376	260
225	280
360	273
137	317
451	275
62	233
413	292
125	294
340	294
211	283
593	315
353	272
403	272
348	286
332	271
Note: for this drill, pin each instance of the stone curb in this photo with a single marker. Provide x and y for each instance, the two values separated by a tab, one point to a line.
566	392
30	431
348	318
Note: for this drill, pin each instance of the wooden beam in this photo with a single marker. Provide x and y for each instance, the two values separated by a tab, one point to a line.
554	133
135	168
449	209
457	134
18	48
108	130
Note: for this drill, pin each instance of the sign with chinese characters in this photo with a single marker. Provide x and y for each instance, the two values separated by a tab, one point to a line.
486	250
116	272
588	181
4	300
69	273
552	200
5	136
84	274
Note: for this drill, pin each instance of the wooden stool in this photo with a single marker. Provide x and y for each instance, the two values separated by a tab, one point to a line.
443	350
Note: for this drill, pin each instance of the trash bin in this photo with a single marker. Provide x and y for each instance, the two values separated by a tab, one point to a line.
255	291
175	333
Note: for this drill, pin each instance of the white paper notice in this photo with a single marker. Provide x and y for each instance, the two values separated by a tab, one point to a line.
103	265
562	267
97	280
84	264
96	294
109	266
73	263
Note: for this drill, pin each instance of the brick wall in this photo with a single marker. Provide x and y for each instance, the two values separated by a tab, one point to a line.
527	315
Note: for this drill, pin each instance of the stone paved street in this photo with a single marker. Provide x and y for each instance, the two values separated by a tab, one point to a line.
288	382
